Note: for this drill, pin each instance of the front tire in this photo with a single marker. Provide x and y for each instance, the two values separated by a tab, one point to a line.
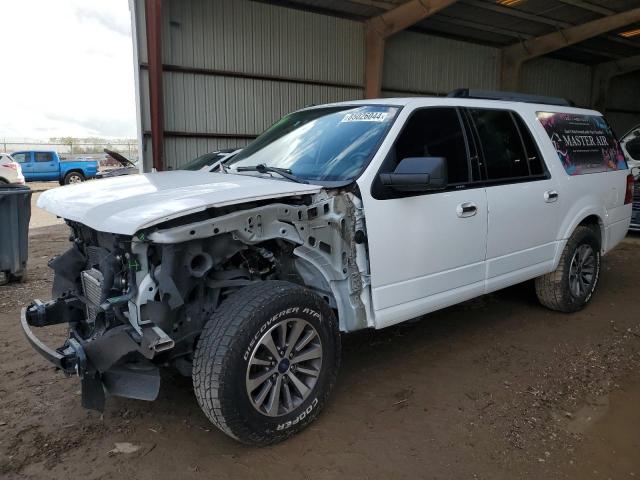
266	362
572	284
73	177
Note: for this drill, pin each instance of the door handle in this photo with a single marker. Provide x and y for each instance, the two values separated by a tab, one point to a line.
466	209
550	196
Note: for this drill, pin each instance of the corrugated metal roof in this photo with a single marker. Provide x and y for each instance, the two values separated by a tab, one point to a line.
484	21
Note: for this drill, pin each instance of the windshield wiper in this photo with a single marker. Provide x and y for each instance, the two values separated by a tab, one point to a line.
283	172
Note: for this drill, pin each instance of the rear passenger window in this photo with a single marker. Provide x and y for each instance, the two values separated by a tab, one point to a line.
504	155
533	154
44	157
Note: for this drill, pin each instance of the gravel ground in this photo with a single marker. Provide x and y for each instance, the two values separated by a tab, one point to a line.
496	388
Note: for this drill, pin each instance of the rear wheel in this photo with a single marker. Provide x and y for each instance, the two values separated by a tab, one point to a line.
73	177
266	362
570	286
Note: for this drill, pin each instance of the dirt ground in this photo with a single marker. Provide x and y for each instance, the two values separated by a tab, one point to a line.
496	388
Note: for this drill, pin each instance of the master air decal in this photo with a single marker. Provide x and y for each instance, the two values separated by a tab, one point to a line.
584	143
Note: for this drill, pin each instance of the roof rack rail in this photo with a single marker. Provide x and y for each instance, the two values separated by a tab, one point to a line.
509	97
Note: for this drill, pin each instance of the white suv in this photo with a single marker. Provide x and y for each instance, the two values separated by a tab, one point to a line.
10	170
339	217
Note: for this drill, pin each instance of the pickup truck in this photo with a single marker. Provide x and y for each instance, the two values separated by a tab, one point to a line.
340	217
47	166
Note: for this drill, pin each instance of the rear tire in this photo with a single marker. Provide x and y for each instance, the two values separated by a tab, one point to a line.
247	389
572	284
73	177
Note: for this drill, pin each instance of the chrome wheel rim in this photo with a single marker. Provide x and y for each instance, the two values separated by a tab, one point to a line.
284	367
582	270
75	179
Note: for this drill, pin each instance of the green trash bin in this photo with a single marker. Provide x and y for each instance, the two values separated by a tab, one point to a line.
15	213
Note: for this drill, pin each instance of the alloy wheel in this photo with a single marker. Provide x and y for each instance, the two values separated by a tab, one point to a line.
582	270
284	367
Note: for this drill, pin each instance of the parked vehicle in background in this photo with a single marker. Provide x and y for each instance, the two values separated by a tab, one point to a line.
209	161
127	166
630	143
46	165
339	217
10	170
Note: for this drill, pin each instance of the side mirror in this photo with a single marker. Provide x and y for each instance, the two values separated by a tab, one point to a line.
417	174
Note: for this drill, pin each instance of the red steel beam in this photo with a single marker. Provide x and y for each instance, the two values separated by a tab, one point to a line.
153	13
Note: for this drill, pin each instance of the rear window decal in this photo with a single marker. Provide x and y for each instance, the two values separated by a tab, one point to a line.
584	143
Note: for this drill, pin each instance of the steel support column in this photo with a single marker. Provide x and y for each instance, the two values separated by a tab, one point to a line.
153	14
515	55
378	29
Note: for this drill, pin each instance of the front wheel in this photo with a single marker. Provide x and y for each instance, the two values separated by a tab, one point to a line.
73	177
570	286
266	362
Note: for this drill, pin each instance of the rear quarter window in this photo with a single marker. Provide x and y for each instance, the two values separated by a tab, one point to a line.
584	143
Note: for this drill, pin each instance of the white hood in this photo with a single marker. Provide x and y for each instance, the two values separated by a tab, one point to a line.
127	204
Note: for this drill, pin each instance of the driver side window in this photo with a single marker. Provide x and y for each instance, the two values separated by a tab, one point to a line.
429	132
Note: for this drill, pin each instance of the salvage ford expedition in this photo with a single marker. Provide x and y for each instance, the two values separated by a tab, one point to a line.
339	217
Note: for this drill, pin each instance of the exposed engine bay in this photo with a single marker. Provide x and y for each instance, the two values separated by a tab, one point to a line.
134	303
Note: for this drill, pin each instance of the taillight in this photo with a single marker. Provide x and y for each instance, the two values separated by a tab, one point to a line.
628	196
11	165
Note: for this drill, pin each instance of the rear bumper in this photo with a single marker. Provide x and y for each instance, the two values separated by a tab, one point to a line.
116	361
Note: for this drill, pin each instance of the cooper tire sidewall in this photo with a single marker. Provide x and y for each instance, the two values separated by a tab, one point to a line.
318	314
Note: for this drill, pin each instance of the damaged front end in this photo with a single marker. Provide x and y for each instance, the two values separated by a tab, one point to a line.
134	303
94	283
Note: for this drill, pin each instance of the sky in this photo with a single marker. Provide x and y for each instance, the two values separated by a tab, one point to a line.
66	69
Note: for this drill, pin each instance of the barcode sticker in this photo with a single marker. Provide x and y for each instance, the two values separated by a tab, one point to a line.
364	117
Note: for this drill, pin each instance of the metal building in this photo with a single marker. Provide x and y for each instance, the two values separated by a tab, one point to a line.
215	73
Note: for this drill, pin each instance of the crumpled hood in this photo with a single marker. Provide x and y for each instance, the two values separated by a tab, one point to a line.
127	204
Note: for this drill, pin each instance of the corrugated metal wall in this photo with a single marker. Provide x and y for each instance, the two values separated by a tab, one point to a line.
423	63
623	102
236	66
250	37
547	76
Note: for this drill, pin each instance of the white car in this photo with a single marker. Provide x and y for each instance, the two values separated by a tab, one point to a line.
340	217
630	143
10	170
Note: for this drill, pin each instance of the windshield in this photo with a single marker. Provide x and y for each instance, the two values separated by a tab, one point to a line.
326	144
